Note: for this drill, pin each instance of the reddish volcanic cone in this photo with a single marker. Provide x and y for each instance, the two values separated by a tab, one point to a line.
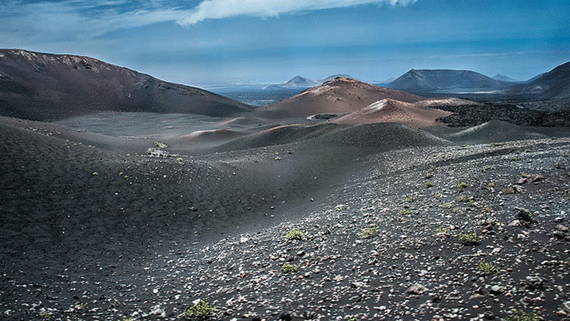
341	95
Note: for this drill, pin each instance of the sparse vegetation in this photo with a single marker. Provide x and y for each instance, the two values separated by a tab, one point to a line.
200	310
296	235
369	232
442	230
289	268
429	184
469	238
461	198
488	168
411	198
485	267
520	315
564	154
491	184
516	158
508	190
462	186
566	194
45	315
405	211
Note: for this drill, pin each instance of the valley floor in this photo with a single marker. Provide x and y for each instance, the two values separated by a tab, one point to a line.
423	229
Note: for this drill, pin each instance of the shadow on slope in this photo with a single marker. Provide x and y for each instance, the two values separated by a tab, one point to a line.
494	131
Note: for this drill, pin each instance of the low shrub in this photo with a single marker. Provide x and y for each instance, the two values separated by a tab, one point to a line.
199	311
485	267
289	268
461	186
469	238
369	232
520	315
296	235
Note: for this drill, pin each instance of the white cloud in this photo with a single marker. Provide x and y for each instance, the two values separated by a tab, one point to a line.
219	9
28	22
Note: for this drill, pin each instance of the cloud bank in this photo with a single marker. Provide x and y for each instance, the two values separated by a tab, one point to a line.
219	9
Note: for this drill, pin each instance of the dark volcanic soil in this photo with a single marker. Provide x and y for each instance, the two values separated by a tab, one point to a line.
94	234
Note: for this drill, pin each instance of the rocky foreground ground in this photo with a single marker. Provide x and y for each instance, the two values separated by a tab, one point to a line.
435	233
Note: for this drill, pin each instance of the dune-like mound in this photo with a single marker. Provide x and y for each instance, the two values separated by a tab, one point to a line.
40	86
209	135
341	95
494	131
380	136
279	135
390	110
443	102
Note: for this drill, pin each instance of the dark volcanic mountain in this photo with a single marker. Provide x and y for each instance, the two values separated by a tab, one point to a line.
445	80
551	85
42	86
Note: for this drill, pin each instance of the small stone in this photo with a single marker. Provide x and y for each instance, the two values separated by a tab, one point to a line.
515	223
559	235
523	214
285	316
416	289
534	283
497	289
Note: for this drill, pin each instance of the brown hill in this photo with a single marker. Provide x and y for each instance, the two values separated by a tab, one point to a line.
390	110
42	86
341	95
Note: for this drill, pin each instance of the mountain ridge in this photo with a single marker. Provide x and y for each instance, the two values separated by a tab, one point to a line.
444	80
42	86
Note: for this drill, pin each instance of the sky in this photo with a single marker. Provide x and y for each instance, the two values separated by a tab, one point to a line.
206	43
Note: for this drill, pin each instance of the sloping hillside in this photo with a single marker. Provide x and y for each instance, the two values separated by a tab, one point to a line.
42	86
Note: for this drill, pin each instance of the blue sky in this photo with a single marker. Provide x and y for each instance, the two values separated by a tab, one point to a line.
214	42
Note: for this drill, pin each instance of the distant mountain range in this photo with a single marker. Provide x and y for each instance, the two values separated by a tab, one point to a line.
299	82
40	86
446	81
554	84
